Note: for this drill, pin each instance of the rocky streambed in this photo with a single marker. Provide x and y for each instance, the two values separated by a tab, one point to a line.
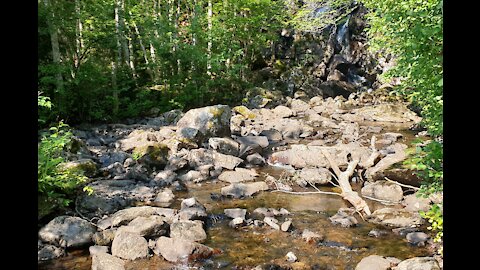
237	188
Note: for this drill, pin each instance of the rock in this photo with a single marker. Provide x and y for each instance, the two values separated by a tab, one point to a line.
112	157
377	233
235	212
164	198
395	154
299	106
236	176
152	226
418	263
286	225
176	162
244	111
263	211
164	178
392	136
225	146
104	238
236	222
255	159
86	166
188	230
191	209
272	222
97	249
67	231
50	252
290	257
129	246
225	161
374	262
129	162
178	249
403	231
344	217
395	217
417	238
282	111
414	204
238	190
153	155
105	261
192	176
272	134
396	113
251	143
320	176
383	190
124	216
211	121
311	237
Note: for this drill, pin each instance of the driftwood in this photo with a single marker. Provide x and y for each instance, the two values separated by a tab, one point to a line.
344	182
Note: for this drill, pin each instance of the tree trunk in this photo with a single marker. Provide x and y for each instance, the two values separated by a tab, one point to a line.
115	89
56	56
118	61
78	35
144	51
209	44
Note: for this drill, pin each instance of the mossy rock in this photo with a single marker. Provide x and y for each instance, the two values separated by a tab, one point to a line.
245	112
86	166
153	155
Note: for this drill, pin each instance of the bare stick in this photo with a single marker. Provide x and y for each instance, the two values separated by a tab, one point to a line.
403	185
381	201
307	192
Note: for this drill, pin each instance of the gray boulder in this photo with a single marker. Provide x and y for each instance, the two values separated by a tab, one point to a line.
344	217
418	263
383	190
105	261
414	204
129	246
282	111
375	262
417	238
97	249
238	190
164	198
311	237
211	121
164	178
191	209
225	146
124	216
315	175
191	230
67	231
236	176
178	249
104	238
152	226
255	159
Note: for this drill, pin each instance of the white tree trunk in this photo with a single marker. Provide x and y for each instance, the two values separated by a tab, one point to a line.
209	44
55	48
78	35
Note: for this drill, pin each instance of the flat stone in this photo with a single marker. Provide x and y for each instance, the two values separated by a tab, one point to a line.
105	261
164	198
417	238
418	263
124	216
152	226
315	175
395	217
225	146
235	176
235	212
255	159
415	204
129	246
373	262
282	111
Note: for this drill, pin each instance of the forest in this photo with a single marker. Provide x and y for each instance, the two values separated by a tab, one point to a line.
308	128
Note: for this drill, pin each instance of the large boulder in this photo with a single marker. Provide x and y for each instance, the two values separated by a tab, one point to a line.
124	216
179	249
86	166
152	226
414	204
236	176
418	263
67	231
105	261
383	190
191	209
225	146
314	176
238	190
191	230
396	113
129	246
201	157
211	121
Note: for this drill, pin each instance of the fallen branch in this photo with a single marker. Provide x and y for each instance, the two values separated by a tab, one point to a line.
402	185
307	192
381	201
343	180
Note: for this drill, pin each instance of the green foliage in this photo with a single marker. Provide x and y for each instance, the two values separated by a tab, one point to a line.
412	31
55	183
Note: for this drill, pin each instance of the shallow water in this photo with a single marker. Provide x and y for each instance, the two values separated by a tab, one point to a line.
249	246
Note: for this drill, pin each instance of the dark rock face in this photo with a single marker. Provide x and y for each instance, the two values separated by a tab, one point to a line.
66	231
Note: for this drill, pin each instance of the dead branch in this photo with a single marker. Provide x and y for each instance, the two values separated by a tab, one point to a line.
402	185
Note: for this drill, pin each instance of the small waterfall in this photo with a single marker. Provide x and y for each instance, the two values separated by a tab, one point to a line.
342	34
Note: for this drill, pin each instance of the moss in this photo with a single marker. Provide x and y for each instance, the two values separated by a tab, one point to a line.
244	111
217	112
85	166
154	154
